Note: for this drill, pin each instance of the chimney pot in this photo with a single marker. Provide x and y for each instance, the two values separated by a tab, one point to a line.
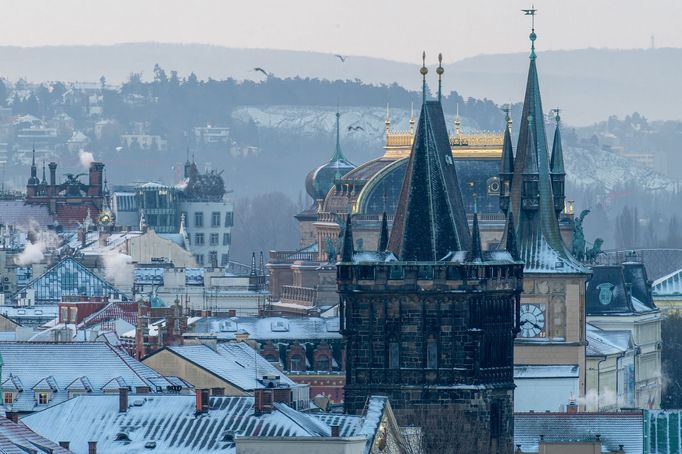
122	400
92	447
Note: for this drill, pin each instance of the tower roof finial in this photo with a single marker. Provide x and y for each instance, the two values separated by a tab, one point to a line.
557	118
458	121
440	72
424	71
412	118
531	12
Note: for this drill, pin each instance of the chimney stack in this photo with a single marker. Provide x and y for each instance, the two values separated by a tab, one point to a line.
572	406
53	178
122	400
202	396
262	401
96	171
12	416
64	444
92	447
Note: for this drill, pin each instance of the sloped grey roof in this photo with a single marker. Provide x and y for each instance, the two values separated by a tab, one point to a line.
63	363
614	429
173	424
234	362
18	439
601	342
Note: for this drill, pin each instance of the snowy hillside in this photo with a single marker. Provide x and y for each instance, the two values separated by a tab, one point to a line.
585	168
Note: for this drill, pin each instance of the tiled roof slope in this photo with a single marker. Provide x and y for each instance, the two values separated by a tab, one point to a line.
19	439
430	220
16	213
615	429
171	422
64	363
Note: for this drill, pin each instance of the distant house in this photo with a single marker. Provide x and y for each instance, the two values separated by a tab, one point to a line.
232	368
226	425
39	375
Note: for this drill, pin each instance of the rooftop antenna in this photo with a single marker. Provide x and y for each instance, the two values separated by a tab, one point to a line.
440	72
531	12
424	71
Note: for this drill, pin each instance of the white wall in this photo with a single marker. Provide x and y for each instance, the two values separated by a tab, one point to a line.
544	394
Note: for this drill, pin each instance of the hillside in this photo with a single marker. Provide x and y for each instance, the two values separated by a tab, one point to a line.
589	84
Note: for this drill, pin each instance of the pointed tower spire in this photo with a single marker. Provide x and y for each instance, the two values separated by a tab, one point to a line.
458	122
476	249
556	167
440	72
506	167
347	250
254	272
424	71
338	154
430	220
383	236
510	240
261	267
44	181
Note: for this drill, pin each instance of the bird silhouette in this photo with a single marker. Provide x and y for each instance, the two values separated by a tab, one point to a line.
341	57
355	128
259	69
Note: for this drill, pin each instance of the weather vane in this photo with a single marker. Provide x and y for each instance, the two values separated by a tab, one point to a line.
531	12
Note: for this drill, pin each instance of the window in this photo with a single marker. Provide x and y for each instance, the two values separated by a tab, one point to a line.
431	354
229	219
227	239
213	239
296	363
224	259
322	362
74	313
198	219
199	239
215	219
200	259
9	397
43	398
393	355
64	314
213	258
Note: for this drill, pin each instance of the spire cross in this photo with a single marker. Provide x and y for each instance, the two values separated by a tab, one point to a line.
531	12
424	70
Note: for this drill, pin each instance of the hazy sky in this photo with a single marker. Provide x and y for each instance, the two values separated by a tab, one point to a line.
394	29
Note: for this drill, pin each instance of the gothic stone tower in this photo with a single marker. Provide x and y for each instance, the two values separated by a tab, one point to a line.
430	323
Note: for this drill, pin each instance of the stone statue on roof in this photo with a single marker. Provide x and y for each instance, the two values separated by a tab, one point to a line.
330	250
579	244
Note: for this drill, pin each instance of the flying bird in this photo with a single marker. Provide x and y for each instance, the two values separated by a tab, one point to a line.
259	69
341	57
355	128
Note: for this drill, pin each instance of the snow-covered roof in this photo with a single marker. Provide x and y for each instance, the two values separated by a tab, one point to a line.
602	343
622	428
33	362
19	439
171	424
234	362
546	371
270	328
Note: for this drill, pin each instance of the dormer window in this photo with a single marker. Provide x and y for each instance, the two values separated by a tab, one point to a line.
9	397
43	398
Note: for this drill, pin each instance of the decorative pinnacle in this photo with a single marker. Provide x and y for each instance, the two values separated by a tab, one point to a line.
412	118
531	12
440	72
424	71
557	118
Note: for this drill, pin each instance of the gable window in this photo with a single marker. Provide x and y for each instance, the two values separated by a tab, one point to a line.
9	397
198	219
43	398
393	355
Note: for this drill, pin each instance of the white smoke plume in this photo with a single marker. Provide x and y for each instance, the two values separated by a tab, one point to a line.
86	158
37	243
593	401
118	268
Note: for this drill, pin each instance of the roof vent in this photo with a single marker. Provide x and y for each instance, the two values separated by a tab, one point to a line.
228	436
122	436
138	402
150	445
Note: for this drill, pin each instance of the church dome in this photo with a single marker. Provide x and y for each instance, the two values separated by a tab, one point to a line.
320	180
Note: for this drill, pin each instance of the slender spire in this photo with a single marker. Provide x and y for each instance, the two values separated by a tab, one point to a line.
510	240
557	160
476	249
458	121
253	273
383	236
338	154
44	179
347	250
507	162
424	71
388	123
440	72
412	119
531	12
262	265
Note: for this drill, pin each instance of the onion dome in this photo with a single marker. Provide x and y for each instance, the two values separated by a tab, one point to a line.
320	180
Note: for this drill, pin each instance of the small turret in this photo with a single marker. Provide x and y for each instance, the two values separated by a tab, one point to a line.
557	172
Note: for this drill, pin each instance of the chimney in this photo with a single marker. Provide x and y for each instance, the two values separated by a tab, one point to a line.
122	400
336	431
96	171
262	401
572	406
92	447
202	397
53	173
82	236
64	444
12	416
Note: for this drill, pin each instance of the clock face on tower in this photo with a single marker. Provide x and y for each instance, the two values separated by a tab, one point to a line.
532	320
